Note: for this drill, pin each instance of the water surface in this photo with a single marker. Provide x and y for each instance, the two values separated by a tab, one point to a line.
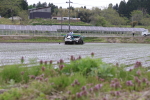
122	53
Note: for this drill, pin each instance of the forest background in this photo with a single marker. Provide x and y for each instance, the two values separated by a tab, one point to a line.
132	13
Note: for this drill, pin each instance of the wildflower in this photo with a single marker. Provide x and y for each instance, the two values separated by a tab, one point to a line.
51	61
79	57
136	79
72	58
129	83
41	62
84	92
22	73
83	88
76	82
112	82
32	76
97	87
61	67
147	83
138	64
78	95
144	80
92	54
72	85
61	61
117	64
112	85
42	75
91	90
117	85
43	68
105	98
117	93
138	72
69	92
101	79
22	60
46	79
39	78
130	70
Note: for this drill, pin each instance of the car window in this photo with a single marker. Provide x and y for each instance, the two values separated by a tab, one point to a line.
76	36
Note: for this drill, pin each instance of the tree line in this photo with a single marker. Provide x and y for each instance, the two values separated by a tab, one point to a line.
131	13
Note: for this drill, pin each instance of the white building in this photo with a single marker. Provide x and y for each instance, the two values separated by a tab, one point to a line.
65	18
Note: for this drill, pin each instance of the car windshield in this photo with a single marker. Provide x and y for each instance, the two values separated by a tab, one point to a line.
76	36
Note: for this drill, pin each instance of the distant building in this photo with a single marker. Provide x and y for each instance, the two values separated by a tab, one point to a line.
40	13
65	18
16	18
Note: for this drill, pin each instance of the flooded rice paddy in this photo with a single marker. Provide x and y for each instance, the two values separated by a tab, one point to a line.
11	53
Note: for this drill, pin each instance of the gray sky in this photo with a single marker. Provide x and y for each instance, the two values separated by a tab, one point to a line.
78	3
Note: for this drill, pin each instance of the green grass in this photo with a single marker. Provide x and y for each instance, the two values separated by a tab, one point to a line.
94	39
35	39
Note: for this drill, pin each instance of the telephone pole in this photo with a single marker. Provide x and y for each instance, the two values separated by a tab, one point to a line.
69	12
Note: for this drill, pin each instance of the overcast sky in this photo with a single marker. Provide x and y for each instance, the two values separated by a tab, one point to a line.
78	3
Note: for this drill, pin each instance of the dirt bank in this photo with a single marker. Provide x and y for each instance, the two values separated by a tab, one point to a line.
24	39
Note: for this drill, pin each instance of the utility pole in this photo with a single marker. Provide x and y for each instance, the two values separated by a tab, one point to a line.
61	18
69	13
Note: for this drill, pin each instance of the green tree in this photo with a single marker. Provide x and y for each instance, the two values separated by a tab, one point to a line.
113	17
145	21
99	21
136	15
24	17
53	8
11	7
84	15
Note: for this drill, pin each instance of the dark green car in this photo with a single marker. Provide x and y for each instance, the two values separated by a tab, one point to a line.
73	39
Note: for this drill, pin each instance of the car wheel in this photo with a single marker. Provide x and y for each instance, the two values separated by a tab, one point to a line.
66	43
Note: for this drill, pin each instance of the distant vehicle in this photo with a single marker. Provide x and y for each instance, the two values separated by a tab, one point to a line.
145	33
73	39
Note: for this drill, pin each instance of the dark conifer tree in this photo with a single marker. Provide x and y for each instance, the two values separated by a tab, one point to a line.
122	8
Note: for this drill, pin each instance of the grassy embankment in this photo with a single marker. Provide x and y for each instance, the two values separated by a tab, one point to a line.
31	39
40	21
81	79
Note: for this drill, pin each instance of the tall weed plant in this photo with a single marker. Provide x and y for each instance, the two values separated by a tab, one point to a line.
83	65
11	72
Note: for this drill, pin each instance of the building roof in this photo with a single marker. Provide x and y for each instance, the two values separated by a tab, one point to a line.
38	8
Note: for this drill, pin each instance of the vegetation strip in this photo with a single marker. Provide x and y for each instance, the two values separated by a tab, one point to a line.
81	79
